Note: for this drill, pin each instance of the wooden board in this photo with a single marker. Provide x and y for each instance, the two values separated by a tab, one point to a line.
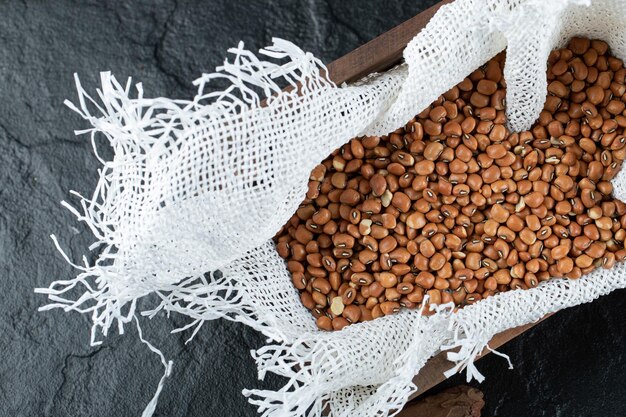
382	52
432	374
378	55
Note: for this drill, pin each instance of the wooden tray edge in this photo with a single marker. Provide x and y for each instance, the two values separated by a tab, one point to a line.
382	52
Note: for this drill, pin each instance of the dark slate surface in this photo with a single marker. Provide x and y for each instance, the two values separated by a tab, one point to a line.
571	365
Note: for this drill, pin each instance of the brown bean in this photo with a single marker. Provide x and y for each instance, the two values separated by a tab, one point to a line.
416	220
401	201
362	278
499	213
584	261
352	313
348	296
565	265
303	235
388	244
534	199
378	184
425	167
389	307
298	279
339	323
502	276
343	240
558	89
322	216
437	261
427	248
387	279
604	223
405	288
425	280
433	150
321	285
324	323
594	170
496	151
350	197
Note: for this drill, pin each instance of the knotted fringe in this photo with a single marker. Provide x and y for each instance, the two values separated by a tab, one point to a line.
151	407
135	127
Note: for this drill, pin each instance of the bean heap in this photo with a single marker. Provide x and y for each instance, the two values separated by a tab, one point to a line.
456	207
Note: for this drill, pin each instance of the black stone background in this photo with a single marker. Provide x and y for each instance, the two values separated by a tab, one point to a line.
571	365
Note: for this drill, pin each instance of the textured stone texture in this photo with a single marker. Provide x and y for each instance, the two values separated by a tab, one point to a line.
459	401
572	365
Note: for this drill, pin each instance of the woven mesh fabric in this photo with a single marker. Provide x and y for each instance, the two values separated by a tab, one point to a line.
201	185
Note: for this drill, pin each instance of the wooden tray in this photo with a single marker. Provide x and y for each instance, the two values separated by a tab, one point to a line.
378	55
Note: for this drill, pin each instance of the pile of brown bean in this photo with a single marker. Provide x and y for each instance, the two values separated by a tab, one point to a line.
455	206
